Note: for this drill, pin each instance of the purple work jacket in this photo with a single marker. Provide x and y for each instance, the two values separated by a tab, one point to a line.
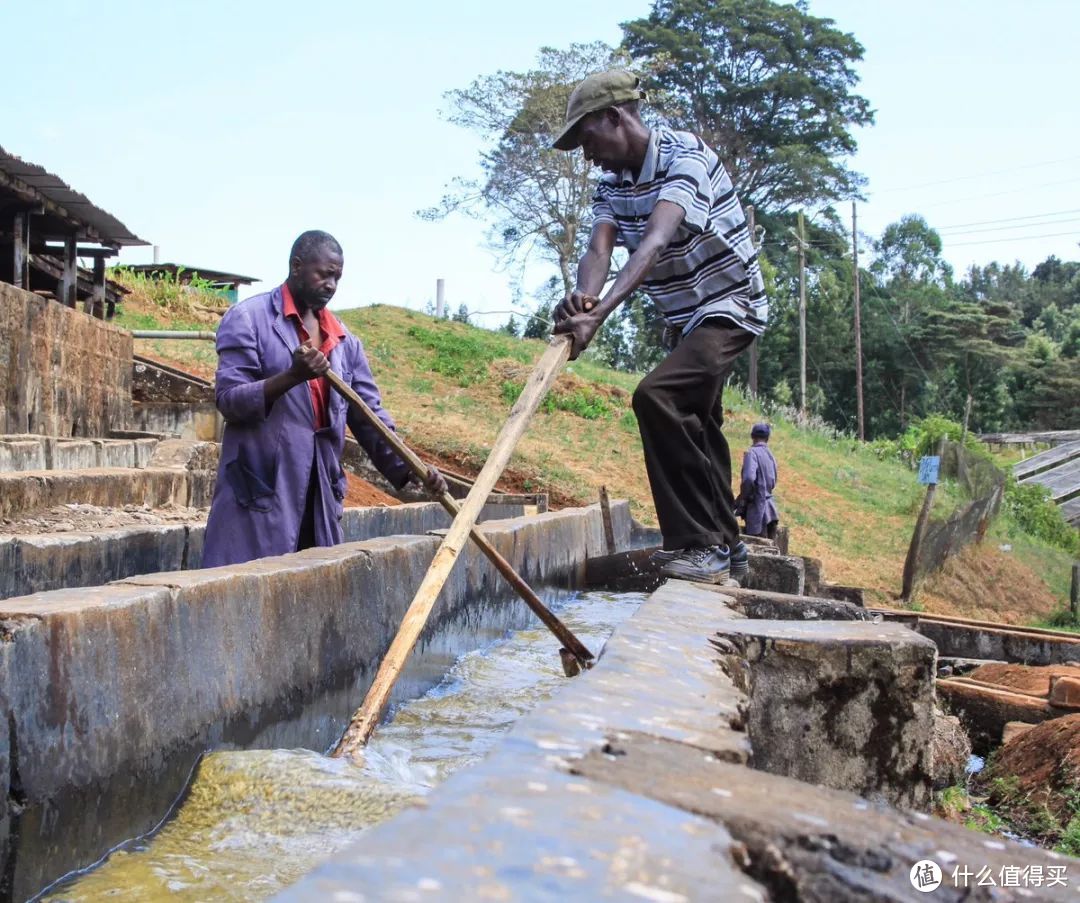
268	457
758	482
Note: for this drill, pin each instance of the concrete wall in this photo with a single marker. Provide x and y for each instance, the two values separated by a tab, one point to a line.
957	640
28	453
62	373
24	493
38	563
184	421
114	690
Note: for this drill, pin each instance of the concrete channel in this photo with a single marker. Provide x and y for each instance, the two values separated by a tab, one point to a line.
665	774
109	694
730	744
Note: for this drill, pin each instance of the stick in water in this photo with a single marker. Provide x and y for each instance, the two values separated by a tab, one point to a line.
579	655
367	716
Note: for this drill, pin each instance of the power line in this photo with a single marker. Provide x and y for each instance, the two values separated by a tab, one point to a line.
980	175
1009	219
899	332
997	194
1038	225
991	241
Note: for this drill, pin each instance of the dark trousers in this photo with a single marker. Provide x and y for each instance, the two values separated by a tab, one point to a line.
768	531
306	538
680	413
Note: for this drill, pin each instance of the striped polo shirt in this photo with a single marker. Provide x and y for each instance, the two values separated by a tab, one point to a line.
710	269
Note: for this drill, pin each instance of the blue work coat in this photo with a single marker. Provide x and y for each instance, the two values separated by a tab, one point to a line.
757	485
269	457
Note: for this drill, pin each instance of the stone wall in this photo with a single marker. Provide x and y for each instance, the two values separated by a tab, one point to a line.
62	373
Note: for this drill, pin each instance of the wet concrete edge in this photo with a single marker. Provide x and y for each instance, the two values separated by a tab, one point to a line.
589	796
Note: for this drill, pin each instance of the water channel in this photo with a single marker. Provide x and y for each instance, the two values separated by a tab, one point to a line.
253	821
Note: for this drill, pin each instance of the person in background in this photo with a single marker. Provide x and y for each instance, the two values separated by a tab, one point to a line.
280	484
665	196
755	502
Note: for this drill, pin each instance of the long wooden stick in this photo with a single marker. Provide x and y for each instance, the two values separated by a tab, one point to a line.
367	716
504	567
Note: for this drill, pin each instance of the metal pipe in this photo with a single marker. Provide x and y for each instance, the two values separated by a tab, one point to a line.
205	335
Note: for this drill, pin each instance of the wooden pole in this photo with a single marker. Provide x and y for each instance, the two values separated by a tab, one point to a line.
69	281
752	374
418	467
967	418
802	317
367	716
95	304
1074	591
858	330
605	515
20	275
907	588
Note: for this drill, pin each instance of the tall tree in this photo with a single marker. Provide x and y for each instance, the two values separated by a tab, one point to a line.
538	200
769	86
909	251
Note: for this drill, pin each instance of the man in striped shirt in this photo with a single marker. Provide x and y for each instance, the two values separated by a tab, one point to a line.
667	198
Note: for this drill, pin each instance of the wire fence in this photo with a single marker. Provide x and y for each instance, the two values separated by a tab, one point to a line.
983	487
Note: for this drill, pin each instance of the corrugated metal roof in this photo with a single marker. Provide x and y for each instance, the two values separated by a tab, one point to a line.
105	227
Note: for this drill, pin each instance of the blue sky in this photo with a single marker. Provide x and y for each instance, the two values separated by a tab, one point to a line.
221	130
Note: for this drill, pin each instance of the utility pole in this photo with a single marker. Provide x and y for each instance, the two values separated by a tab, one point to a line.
801	236
752	375
858	329
440	302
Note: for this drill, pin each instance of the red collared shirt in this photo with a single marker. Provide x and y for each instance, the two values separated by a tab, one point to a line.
332	334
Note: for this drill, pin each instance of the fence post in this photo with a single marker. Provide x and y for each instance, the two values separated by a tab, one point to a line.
605	514
908	586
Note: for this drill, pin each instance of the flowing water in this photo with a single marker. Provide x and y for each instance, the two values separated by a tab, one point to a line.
254	821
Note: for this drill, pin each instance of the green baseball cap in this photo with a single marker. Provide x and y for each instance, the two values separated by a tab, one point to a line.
597	92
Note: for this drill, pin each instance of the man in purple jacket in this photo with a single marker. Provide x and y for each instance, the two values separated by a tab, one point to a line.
280	483
755	502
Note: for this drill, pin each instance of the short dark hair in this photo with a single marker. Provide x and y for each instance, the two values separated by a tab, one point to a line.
312	242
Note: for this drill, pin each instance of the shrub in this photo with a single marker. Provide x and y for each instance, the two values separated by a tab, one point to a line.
582	402
460	357
1030	507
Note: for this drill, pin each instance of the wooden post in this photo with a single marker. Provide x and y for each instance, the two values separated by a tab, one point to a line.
858	330
20	270
802	317
95	304
752	369
536	387
1074	591
605	515
967	417
908	585
69	280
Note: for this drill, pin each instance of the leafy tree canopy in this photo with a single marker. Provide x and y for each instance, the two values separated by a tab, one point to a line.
769	86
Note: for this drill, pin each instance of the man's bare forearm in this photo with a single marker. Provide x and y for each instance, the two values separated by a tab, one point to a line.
592	272
630	277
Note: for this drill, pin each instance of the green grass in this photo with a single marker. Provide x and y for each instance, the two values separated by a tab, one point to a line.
450	386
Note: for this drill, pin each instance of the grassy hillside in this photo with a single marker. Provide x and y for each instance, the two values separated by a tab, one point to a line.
450	386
